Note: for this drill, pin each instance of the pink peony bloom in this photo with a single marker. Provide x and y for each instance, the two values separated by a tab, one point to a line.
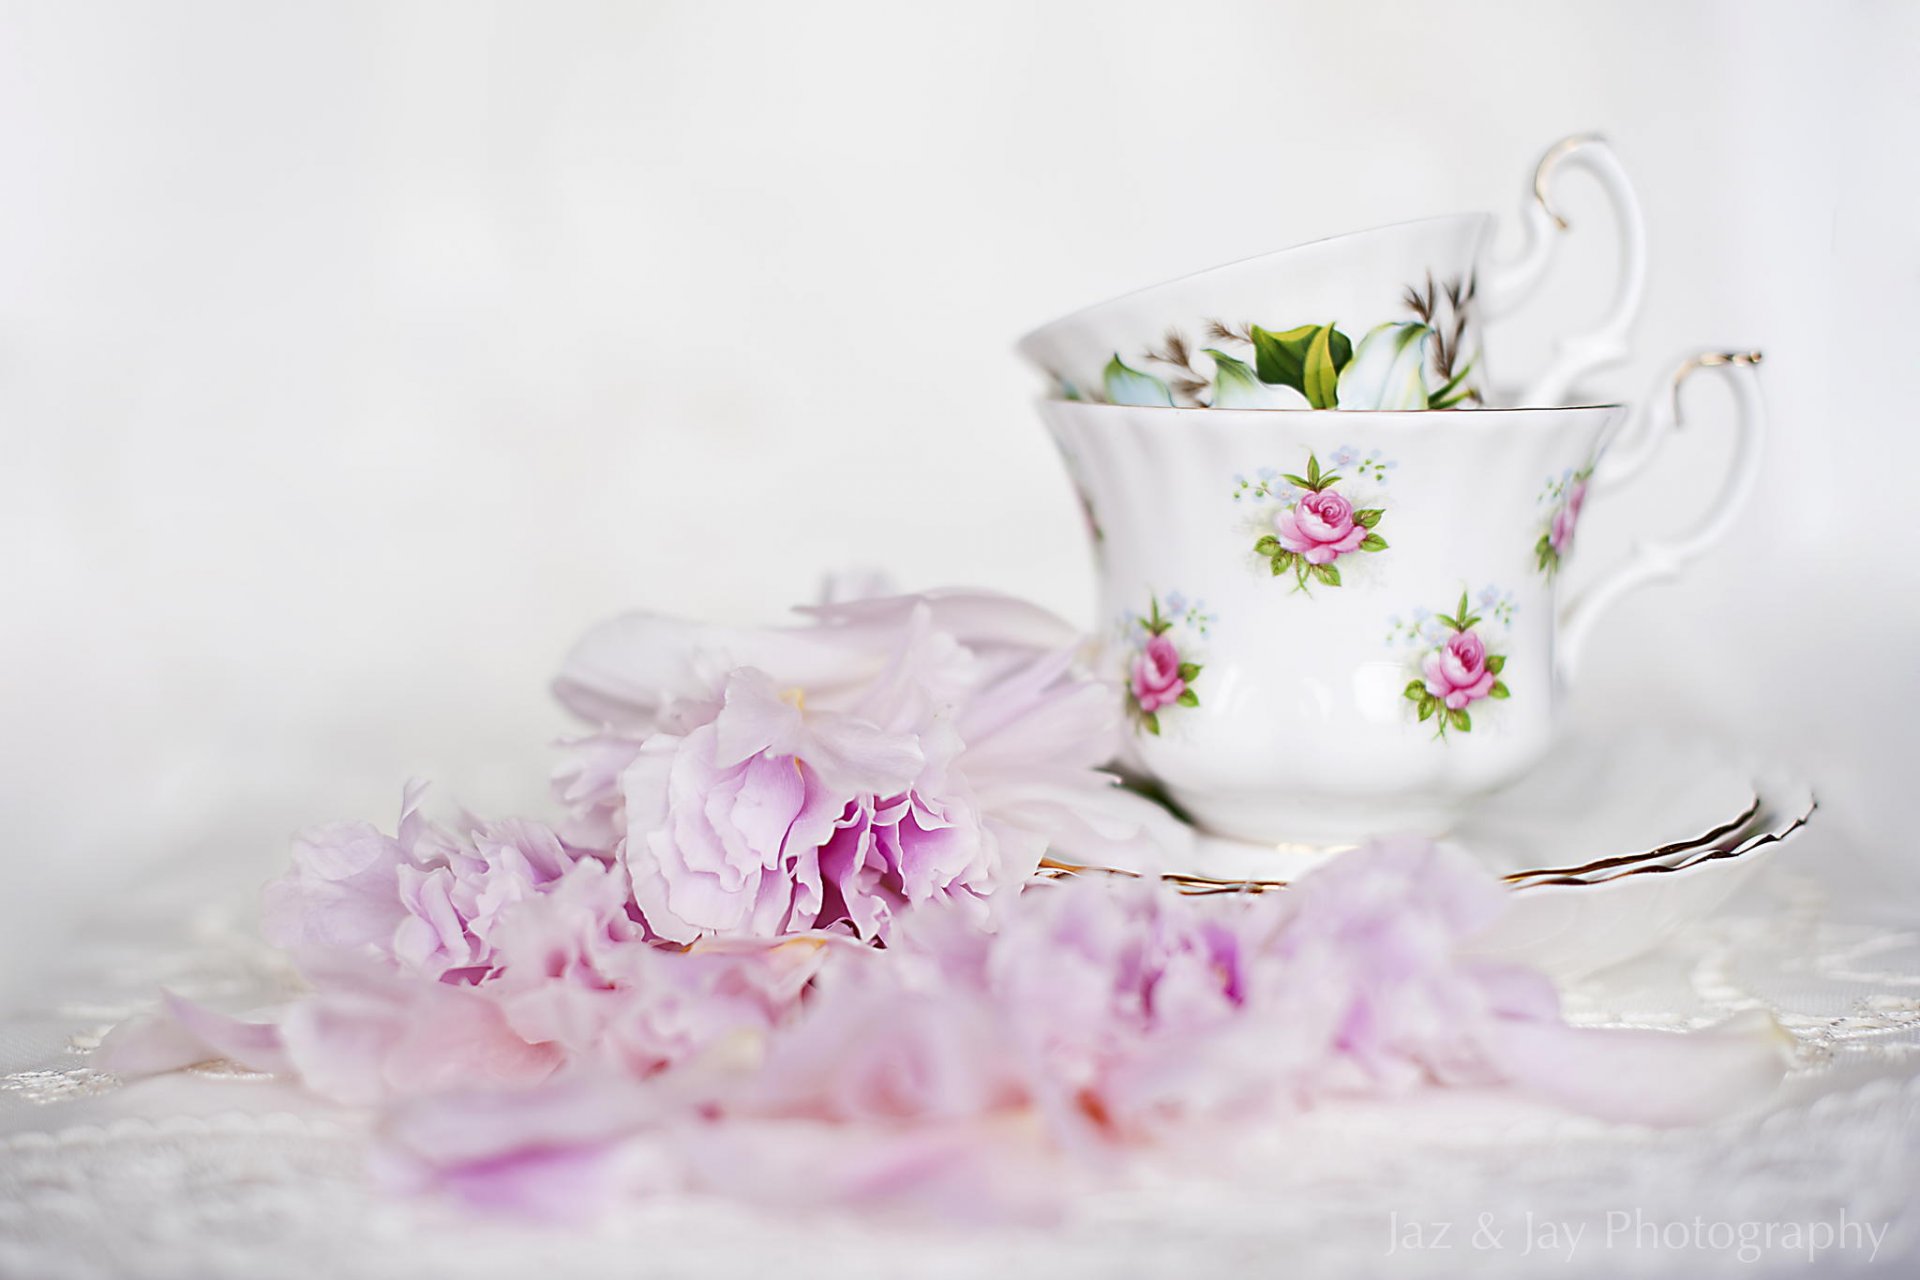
875	1048
1456	672
367	1036
893	753
1319	528
423	898
579	976
1156	675
728	825
1385	934
1110	1011
567	1150
587	783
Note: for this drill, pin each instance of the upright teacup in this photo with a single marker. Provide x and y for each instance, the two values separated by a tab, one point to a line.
1383	319
1331	626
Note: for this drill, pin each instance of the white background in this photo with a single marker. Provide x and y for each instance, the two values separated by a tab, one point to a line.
354	357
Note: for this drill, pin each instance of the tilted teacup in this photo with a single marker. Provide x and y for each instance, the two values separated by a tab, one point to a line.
1330	626
1388	318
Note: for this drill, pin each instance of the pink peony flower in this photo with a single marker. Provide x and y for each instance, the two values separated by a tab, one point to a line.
1456	672
894	753
1319	528
367	1036
587	782
579	976
423	898
1156	675
1111	1011
769	820
874	1047
566	1150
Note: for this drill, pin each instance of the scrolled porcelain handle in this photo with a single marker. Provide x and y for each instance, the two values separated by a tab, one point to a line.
1659	561
1511	283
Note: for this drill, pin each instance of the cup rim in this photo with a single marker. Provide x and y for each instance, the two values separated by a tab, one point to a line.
1080	313
1614	406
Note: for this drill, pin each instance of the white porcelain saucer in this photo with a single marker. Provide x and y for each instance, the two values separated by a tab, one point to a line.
1609	846
1574	926
1595	805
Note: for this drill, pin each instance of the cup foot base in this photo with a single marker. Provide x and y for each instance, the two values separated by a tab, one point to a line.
1315	826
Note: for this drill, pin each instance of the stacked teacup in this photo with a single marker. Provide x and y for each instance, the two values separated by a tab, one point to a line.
1330	557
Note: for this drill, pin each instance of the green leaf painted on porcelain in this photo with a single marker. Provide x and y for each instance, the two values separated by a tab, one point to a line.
1281	358
1453	392
1130	386
1322	377
1235	385
1389	369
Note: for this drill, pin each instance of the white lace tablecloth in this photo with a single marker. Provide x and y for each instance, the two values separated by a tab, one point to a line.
208	1174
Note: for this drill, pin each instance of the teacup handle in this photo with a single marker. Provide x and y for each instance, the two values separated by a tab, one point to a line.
1511	283
1658	561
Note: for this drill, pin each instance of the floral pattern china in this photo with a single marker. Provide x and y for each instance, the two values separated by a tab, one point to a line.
1400	364
1311	524
1456	666
1160	671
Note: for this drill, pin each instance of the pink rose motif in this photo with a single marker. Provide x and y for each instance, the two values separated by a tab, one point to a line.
1566	518
1456	672
1156	675
1319	528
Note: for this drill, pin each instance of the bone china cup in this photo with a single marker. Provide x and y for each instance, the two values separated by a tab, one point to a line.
1331	626
1382	319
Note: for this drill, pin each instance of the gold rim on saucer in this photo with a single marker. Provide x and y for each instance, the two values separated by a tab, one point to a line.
1198	886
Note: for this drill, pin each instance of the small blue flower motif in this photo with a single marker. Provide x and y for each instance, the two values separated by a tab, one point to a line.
1489	597
1344	456
1421	613
1176	603
1269	473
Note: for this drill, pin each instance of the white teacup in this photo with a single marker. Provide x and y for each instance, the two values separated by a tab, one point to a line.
1331	626
1383	319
